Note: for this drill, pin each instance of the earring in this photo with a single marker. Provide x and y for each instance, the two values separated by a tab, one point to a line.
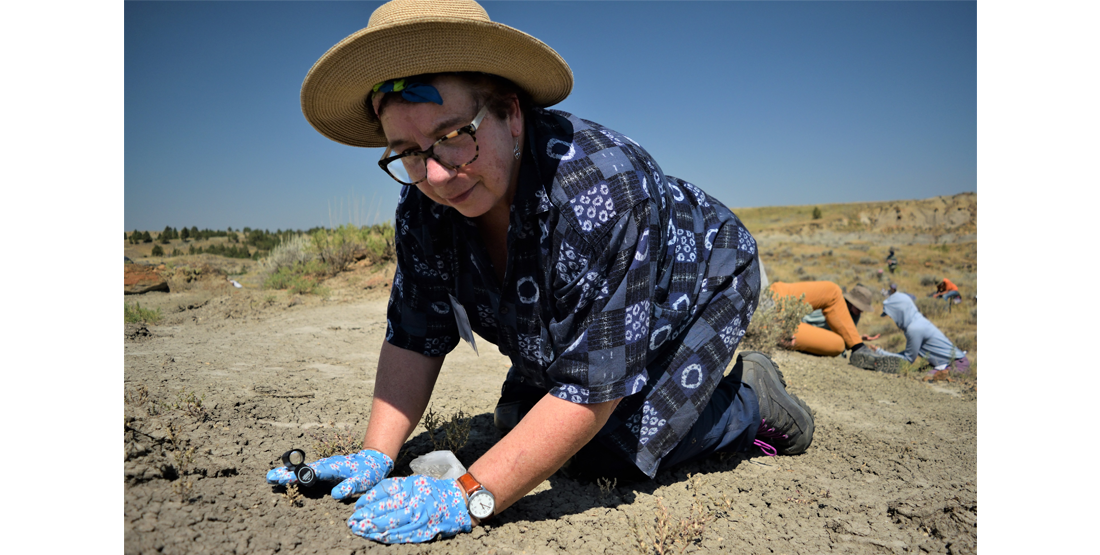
516	151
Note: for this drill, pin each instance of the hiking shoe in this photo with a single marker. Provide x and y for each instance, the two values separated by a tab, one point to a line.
785	421
516	400
869	360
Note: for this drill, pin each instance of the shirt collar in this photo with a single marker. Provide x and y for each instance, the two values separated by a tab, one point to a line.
538	168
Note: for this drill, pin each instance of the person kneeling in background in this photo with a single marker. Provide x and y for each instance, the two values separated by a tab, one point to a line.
831	328
922	337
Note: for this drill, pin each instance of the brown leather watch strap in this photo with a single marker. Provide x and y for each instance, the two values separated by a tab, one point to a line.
469	484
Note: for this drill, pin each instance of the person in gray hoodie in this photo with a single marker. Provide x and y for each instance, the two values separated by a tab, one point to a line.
922	337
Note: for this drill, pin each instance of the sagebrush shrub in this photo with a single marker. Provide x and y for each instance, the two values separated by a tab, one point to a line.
135	314
288	254
774	322
931	306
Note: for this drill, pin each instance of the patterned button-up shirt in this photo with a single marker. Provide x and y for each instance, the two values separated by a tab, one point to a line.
620	282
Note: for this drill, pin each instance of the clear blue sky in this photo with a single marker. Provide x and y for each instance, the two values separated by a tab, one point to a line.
758	103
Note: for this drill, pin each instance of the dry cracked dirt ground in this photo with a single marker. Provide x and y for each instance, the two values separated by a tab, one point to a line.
230	379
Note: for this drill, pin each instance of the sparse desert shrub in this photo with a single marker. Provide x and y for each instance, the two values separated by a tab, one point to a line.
336	247
964	342
380	243
287	254
928	281
157	251
817	213
868	261
775	322
302	278
931	306
135	314
455	429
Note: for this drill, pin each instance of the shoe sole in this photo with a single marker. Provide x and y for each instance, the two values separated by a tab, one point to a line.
885	364
776	383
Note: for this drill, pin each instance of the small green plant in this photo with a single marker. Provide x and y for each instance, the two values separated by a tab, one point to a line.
333	441
817	213
776	323
191	405
300	278
454	429
157	251
135	314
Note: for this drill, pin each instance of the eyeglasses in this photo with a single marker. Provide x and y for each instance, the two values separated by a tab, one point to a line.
454	150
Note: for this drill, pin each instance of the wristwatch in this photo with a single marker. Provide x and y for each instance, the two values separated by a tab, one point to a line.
479	500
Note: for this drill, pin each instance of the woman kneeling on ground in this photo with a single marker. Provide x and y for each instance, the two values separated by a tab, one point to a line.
618	292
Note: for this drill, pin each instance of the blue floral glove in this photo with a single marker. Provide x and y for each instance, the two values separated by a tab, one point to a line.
356	473
413	509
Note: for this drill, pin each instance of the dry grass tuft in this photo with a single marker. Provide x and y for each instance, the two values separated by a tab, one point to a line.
335	441
666	536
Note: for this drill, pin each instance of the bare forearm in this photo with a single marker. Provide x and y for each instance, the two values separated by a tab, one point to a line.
402	388
552	432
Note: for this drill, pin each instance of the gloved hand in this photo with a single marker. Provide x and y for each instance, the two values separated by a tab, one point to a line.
413	509
357	472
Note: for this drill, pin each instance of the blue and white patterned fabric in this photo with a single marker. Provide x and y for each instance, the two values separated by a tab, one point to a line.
357	472
621	282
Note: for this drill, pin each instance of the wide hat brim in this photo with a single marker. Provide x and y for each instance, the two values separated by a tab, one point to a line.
335	91
857	300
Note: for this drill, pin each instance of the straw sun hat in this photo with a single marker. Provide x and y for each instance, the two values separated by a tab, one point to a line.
411	37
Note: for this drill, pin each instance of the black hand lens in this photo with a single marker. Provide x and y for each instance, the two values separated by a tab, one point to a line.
294	460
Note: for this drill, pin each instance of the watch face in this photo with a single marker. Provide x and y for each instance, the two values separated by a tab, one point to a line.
482	504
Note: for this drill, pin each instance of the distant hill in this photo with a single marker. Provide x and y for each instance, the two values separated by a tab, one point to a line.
949	219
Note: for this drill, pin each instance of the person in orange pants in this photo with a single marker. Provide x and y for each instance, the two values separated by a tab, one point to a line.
841	310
